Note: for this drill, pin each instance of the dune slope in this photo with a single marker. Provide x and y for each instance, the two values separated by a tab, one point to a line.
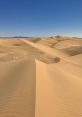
17	82
58	90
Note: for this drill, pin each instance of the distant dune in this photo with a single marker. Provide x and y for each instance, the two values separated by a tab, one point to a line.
41	77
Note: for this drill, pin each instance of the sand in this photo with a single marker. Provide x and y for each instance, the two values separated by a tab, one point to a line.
41	78
58	91
17	81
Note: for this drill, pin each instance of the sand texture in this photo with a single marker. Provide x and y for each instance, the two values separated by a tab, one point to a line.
41	77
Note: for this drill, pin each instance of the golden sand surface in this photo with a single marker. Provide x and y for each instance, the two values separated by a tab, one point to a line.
41	77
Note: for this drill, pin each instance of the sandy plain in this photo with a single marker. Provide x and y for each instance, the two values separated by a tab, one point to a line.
41	77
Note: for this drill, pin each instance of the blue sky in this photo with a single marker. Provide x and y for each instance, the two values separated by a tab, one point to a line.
40	17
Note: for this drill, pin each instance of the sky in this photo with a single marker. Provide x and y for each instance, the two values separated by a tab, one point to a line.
40	17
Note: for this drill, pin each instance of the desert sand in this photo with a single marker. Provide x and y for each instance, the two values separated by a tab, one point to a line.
41	77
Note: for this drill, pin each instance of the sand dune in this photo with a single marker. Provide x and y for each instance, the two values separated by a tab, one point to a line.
41	77
58	91
17	83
